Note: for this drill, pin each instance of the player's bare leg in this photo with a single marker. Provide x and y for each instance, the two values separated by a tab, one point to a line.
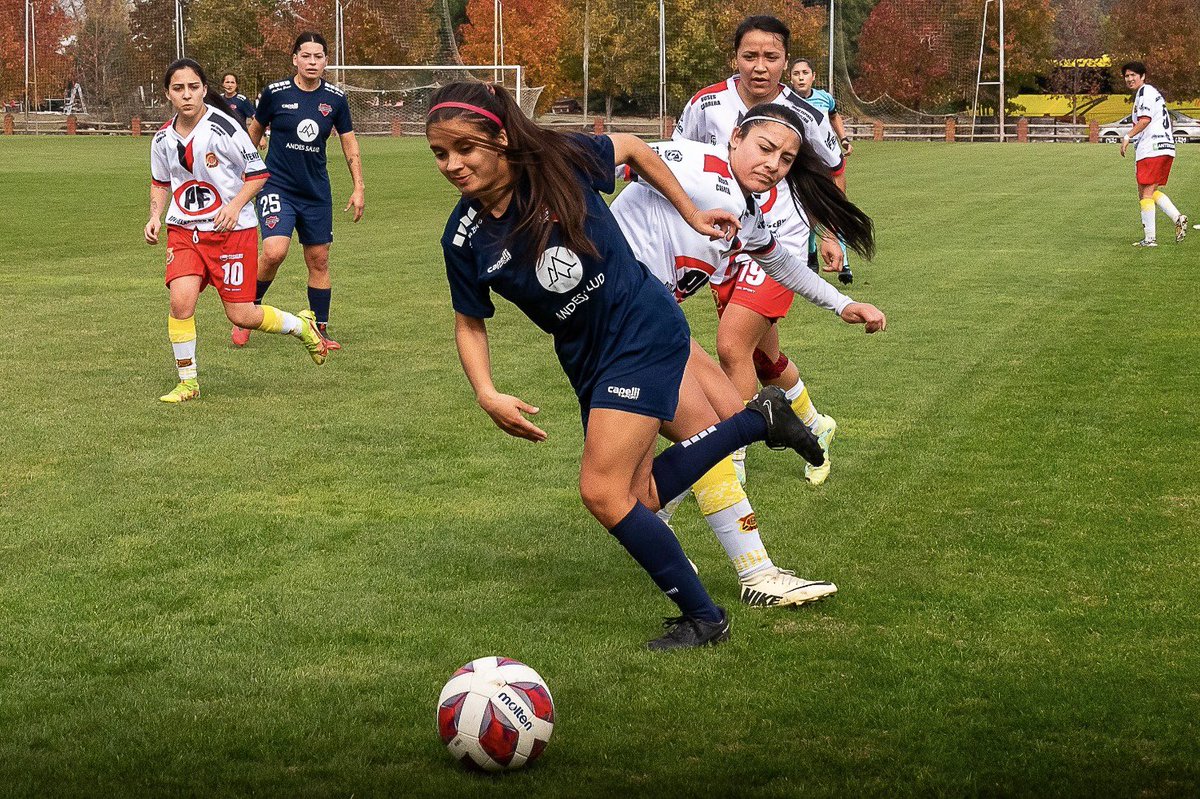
268	319
316	258
181	328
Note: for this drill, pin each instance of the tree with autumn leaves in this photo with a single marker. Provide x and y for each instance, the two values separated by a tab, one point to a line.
1165	34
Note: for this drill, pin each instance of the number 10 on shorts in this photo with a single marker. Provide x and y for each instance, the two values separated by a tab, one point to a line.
233	273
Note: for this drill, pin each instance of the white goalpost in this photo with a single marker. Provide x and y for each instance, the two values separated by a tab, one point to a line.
395	98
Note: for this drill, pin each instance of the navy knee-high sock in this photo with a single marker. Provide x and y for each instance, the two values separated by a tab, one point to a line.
260	291
318	300
679	466
657	550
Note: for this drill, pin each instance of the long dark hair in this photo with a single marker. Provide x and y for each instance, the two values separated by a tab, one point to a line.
212	97
813	189
765	23
545	163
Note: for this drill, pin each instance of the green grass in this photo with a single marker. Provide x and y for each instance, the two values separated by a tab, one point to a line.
262	592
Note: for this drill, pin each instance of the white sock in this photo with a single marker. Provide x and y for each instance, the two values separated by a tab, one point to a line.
1148	223
292	324
737	530
185	359
1168	207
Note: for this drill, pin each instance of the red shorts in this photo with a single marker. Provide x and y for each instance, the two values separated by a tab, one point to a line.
228	261
754	289
1154	171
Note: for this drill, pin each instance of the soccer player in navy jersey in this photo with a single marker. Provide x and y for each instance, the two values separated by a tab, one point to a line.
302	111
533	228
239	106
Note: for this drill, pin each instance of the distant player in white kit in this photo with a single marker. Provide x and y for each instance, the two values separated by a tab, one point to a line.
1155	153
204	172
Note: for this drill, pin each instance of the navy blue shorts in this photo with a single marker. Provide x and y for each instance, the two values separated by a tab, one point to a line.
641	382
280	214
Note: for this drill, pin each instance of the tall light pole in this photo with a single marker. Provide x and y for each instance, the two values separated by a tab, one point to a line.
830	78
662	63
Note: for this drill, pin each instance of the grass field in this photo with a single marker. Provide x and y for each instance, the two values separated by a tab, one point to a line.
262	592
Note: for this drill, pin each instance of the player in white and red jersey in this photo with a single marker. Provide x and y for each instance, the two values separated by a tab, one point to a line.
205	164
747	338
1154	153
764	151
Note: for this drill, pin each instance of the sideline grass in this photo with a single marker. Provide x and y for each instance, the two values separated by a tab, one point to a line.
261	593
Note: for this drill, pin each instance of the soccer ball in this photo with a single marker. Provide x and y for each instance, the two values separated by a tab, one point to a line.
496	714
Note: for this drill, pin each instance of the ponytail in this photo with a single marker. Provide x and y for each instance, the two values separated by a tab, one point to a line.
813	189
545	163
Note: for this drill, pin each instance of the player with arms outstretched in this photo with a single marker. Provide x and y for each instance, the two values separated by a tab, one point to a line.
752	304
302	111
532	227
1154	153
204	167
765	149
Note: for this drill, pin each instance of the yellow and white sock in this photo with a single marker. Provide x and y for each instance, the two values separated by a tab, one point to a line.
727	511
277	321
1147	218
182	333
1168	207
802	404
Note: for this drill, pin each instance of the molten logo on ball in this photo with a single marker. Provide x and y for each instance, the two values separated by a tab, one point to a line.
495	713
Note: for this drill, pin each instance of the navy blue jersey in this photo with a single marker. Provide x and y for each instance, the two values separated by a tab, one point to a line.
607	314
240	106
300	124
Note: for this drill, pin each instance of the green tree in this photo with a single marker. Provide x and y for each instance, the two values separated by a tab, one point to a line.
1164	34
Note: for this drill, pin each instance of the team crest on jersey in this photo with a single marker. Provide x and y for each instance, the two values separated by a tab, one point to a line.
672	155
271	221
325	108
210	160
197	198
307	130
559	270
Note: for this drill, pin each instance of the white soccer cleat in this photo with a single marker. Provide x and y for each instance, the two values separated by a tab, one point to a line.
776	587
1146	243
1181	227
826	427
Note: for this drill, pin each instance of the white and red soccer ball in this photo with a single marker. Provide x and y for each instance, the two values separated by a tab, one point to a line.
495	713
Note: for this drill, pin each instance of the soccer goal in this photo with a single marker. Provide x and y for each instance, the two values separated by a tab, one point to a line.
384	99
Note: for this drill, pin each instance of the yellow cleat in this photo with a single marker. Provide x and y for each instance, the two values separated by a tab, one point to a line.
826	427
310	334
186	390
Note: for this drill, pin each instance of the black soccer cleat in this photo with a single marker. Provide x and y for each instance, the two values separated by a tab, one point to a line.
846	277
784	428
689	632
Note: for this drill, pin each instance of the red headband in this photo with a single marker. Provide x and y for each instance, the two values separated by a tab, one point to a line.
483	112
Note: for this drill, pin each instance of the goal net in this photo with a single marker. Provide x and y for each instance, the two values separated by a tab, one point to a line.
395	99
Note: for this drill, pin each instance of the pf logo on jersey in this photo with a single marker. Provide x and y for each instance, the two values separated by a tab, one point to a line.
307	130
559	270
325	108
197	198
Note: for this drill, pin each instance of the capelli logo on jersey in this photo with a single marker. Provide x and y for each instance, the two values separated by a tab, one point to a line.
290	106
631	393
505	257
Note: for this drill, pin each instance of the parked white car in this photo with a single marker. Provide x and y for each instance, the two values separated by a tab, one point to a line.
1185	128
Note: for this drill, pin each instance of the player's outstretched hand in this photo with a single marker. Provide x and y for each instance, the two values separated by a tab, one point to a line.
358	203
715	223
831	253
864	313
151	231
508	412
